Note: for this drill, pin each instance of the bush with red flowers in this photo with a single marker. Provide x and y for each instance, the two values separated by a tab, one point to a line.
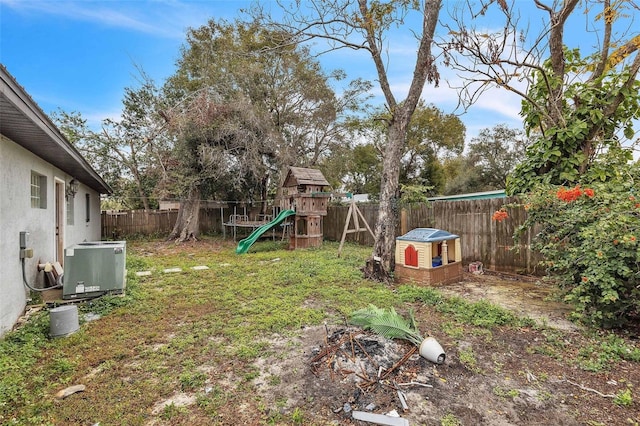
588	238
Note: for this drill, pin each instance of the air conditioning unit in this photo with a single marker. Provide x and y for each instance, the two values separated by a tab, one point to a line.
92	269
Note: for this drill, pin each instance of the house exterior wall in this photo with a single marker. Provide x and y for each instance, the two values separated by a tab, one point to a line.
16	215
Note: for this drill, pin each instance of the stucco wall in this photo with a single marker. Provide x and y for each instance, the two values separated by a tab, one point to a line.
16	214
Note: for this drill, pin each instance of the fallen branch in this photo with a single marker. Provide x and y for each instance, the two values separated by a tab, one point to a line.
584	388
426	385
399	363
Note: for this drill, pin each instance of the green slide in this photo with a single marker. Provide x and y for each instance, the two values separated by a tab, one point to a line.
243	245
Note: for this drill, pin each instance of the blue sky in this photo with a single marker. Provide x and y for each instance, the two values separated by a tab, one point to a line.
80	55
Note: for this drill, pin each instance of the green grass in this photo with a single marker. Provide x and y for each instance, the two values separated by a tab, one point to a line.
173	333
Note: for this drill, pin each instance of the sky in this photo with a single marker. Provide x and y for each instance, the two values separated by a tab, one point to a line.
78	56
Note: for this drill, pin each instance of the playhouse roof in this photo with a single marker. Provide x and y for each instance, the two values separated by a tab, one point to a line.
427	235
302	176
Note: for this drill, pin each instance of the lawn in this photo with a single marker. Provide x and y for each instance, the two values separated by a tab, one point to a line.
233	344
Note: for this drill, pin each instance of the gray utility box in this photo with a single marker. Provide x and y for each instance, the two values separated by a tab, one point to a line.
92	269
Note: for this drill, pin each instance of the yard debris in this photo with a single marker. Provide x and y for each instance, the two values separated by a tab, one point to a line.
426	385
70	391
380	419
403	400
376	367
345	352
584	388
476	268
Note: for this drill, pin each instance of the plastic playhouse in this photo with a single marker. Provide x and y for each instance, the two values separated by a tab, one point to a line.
428	256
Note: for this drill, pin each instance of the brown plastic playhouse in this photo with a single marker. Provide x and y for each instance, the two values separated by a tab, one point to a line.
304	190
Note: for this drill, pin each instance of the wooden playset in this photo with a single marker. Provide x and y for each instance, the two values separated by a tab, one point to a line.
304	190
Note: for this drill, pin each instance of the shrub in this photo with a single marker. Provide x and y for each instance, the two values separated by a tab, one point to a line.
588	237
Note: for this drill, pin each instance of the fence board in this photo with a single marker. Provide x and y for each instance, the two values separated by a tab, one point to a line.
482	239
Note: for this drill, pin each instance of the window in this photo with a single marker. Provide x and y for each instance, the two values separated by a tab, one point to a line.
38	191
88	206
70	209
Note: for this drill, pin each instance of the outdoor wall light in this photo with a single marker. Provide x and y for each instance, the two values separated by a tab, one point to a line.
72	188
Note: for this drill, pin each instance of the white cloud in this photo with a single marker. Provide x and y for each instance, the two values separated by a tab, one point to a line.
164	19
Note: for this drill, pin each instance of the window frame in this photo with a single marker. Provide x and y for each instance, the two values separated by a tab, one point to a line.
38	190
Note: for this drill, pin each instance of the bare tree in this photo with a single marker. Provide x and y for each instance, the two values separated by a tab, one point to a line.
217	140
575	103
365	25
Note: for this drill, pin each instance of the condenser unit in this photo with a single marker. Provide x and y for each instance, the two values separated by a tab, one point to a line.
93	269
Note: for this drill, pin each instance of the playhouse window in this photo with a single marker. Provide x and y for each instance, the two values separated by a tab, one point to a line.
411	256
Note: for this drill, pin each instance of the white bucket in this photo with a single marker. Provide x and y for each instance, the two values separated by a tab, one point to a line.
431	350
64	321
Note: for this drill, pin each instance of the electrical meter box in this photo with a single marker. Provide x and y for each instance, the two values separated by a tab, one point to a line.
93	269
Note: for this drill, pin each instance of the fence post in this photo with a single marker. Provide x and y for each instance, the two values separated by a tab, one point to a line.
403	221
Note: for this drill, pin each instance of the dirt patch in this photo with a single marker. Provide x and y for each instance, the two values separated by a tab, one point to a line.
526	296
334	387
503	377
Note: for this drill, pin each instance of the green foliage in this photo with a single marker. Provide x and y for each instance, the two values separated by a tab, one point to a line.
128	153
624	398
364	171
481	314
244	107
583	123
468	358
450	420
387	323
505	393
608	350
19	354
297	417
496	152
192	380
590	245
171	411
432	136
414	194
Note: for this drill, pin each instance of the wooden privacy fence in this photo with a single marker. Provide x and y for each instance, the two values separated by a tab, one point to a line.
482	239
118	225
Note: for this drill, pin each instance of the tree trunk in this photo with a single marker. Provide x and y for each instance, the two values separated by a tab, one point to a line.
380	265
187	225
382	261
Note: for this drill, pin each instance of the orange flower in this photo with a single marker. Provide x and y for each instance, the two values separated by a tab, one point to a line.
585	279
632	238
569	195
589	192
500	215
632	198
615	242
637	205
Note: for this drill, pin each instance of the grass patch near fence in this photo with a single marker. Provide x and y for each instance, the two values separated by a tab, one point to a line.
172	332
